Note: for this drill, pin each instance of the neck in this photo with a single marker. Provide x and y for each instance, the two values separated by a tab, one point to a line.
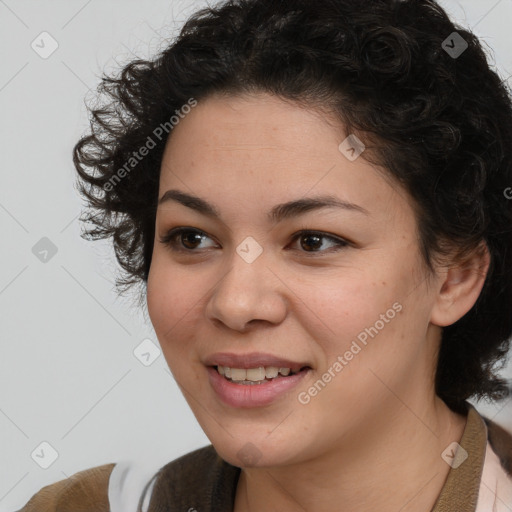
402	454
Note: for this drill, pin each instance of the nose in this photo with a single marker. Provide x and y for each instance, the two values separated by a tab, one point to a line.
247	295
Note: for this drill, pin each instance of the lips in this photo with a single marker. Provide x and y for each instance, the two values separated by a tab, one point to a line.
261	393
240	395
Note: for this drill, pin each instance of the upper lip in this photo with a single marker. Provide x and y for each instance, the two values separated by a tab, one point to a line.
251	360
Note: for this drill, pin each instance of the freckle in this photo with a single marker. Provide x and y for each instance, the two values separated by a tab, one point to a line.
384	283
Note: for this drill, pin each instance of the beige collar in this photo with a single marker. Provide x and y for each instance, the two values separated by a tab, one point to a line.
460	491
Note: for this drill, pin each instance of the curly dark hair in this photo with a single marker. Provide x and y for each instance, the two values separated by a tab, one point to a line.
439	122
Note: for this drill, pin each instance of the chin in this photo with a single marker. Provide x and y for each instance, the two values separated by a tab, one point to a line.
249	453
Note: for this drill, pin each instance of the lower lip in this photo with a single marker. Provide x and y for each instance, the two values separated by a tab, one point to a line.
255	395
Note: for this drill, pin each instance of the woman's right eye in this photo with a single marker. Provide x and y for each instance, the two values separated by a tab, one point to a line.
183	239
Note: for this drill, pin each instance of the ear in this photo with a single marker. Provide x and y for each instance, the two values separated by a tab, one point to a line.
459	287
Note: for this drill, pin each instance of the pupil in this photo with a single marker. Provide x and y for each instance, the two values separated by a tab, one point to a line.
309	237
186	238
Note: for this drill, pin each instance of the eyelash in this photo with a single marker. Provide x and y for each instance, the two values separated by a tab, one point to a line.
169	240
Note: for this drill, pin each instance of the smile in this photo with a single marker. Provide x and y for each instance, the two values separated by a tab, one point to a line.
252	376
246	393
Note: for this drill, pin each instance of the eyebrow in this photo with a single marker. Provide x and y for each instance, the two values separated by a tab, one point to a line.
276	214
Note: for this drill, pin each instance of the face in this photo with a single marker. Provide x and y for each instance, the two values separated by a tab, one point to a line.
339	291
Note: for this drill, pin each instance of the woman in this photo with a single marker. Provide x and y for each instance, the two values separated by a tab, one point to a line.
314	198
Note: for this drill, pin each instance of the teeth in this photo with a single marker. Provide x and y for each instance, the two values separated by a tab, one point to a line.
238	374
272	372
253	374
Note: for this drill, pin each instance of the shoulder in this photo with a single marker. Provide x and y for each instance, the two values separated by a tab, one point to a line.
496	479
122	486
501	442
85	491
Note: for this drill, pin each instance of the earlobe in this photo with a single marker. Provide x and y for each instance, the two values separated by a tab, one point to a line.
460	287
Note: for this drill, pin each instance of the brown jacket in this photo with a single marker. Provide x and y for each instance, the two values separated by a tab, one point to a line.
202	481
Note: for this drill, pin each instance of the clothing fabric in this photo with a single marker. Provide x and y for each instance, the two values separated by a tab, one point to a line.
127	482
479	480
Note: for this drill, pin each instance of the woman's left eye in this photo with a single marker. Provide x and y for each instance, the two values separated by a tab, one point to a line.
184	240
314	239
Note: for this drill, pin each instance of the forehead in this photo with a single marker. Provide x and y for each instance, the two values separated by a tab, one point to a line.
260	147
247	122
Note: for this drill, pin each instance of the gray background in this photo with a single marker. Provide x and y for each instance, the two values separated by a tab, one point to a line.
69	375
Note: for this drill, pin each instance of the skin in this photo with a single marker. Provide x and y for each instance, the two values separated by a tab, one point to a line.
378	424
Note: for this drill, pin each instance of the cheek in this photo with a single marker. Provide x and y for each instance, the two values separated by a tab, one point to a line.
156	296
166	298
345	306
369	318
174	307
